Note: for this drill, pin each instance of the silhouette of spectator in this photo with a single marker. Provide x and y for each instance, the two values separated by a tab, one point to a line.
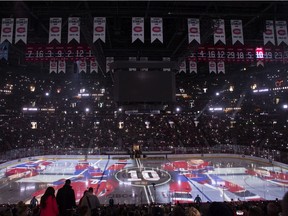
48	203
217	208
66	199
284	205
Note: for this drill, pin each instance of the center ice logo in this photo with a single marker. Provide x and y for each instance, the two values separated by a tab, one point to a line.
143	176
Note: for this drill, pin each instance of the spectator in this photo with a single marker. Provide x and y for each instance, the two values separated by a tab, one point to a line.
48	203
66	199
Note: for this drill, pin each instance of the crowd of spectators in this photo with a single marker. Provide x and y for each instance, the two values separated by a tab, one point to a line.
251	208
77	111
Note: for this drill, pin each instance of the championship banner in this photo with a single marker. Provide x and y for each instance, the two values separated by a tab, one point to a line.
237	31
281	32
156	29
61	66
7	29
99	30
53	67
74	29
132	59
166	59
192	66
82	66
144	59
138	29
221	67
93	66
55	29
21	30
268	34
219	31
109	60
193	30
212	67
182	66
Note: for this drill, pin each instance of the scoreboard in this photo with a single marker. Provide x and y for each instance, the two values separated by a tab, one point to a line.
36	52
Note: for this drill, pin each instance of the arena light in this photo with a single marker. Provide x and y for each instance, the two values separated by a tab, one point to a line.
178	109
87	110
47	94
285	106
217	93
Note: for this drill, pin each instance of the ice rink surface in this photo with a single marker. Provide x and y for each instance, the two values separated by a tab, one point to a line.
145	180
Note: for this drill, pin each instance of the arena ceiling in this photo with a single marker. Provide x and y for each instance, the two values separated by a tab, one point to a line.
118	17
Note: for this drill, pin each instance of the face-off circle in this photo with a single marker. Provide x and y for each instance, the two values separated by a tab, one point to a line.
143	176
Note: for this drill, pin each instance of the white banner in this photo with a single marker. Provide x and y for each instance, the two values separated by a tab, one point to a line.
132	59
193	30
55	29
182	66
7	29
99	30
74	29
192	66
53	67
21	30
268	34
281	32
138	29
221	67
219	31
144	59
109	60
82	66
156	29
212	67
93	66
61	66
166	59
237	31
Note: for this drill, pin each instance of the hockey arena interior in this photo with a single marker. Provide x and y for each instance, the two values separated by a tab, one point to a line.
151	103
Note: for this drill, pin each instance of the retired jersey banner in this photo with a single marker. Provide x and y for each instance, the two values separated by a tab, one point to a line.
237	31
193	30
219	31
156	29
221	67
74	29
82	66
212	67
144	59
7	29
268	34
93	66
281	32
182	66
132	59
166	59
55	29
99	30
138	29
61	66
21	30
53	67
192	66
109	60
